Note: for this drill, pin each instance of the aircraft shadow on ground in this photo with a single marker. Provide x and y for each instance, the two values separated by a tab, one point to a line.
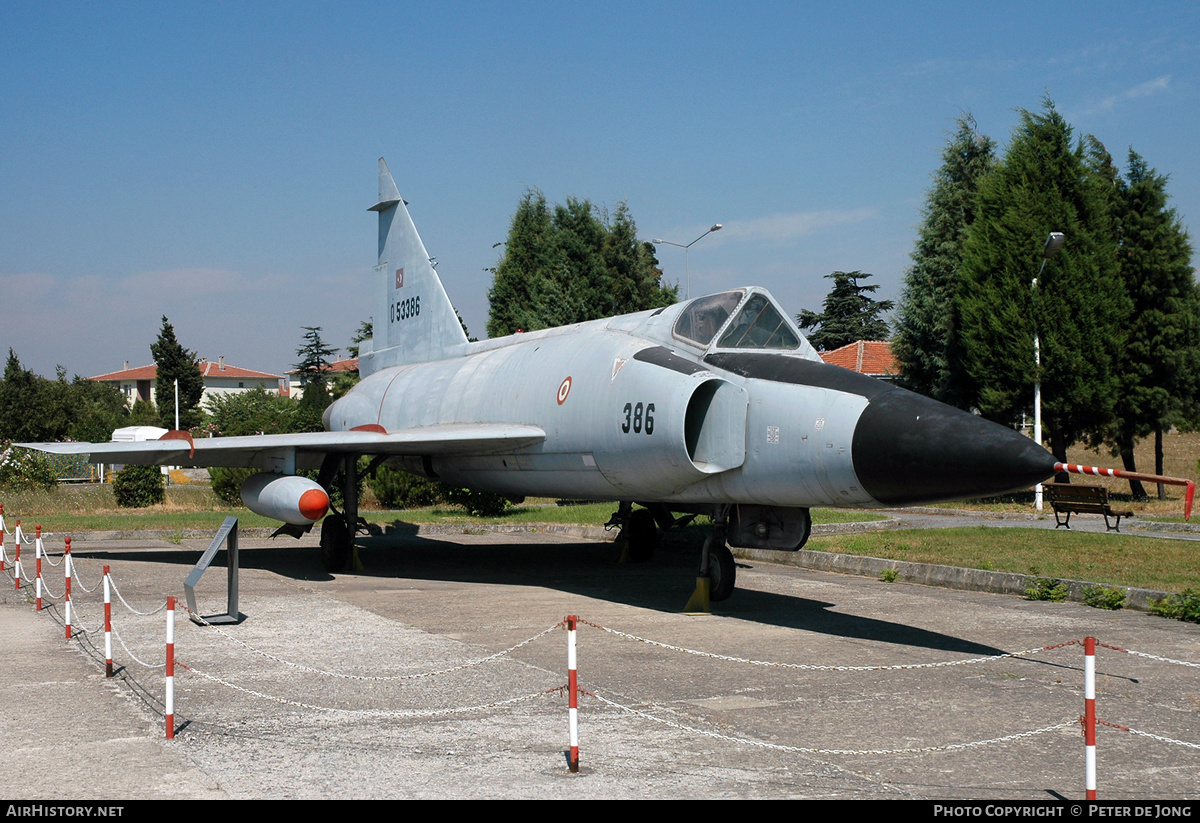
585	569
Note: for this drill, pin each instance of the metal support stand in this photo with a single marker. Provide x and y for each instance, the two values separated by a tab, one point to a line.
226	534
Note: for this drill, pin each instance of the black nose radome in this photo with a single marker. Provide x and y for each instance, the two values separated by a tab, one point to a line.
909	449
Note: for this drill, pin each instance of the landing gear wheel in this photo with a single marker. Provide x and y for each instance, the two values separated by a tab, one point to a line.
336	542
722	573
643	536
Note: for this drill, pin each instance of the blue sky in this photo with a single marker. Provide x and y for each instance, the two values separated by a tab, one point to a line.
214	162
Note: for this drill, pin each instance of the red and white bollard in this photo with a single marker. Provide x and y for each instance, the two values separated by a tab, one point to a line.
67	577
108	669
17	559
170	691
1089	715
37	555
572	695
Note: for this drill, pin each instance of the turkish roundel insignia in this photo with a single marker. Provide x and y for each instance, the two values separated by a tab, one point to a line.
400	278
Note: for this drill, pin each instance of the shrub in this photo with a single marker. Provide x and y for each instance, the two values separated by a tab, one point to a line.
136	487
480	504
1104	597
1047	588
227	483
1185	606
397	489
25	470
888	575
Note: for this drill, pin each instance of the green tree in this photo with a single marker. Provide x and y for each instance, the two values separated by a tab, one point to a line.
366	330
524	295
313	370
19	403
927	342
850	313
252	412
33	408
175	363
99	409
1044	184
1159	366
635	278
570	265
143	413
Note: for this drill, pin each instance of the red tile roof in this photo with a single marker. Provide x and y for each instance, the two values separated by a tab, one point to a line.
208	368
349	364
873	357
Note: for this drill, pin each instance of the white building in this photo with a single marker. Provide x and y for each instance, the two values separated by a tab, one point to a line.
219	378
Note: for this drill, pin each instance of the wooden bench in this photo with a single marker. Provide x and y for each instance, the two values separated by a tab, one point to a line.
1071	498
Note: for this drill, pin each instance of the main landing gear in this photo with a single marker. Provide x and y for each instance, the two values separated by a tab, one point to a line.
338	530
639	538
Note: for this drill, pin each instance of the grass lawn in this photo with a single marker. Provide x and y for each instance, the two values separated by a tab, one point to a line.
1113	559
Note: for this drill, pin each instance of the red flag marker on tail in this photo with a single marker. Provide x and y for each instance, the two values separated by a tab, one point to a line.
1075	468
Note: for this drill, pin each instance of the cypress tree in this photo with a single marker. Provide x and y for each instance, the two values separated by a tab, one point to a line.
524	295
1079	307
174	362
1160	363
927	342
570	266
635	278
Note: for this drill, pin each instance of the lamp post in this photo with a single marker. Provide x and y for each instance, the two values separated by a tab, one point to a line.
686	250
1054	242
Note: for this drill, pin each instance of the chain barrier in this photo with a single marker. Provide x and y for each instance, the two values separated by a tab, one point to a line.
808	750
559	690
814	667
131	608
1150	656
136	659
370	712
1150	735
79	581
383	678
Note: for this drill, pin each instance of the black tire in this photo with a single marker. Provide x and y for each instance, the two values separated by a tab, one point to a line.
807	530
722	573
336	543
642	534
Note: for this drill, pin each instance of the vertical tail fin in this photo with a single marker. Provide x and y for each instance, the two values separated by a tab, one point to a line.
414	320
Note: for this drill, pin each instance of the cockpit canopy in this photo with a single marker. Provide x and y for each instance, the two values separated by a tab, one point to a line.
757	324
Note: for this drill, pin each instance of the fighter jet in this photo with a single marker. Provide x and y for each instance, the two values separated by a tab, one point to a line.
715	406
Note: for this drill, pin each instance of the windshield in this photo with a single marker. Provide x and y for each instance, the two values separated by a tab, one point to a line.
759	326
701	319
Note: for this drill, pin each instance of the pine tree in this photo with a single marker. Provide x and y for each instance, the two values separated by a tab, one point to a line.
850	313
927	342
1160	363
572	265
1044	184
174	362
313	371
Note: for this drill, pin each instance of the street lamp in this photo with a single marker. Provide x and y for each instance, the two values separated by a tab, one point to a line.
686	249
1054	242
